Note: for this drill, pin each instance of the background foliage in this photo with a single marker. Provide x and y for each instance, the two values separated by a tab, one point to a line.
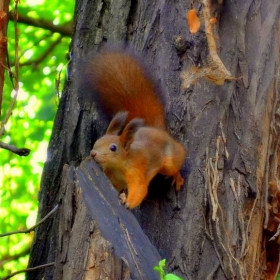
43	54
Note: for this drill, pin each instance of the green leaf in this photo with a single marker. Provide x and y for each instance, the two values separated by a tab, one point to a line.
160	268
162	263
170	276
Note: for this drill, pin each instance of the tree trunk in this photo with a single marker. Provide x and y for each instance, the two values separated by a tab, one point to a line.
214	228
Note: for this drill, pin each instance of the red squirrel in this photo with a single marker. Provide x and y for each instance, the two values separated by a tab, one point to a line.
137	145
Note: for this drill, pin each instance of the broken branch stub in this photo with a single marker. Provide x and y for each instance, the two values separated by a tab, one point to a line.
106	239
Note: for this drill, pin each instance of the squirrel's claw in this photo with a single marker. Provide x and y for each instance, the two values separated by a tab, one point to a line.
178	181
123	198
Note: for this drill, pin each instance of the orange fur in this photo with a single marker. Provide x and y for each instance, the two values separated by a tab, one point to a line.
131	154
120	81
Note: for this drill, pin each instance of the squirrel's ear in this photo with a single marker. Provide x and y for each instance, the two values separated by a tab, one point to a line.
117	124
128	132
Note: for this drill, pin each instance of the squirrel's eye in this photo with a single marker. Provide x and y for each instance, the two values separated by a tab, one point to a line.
113	147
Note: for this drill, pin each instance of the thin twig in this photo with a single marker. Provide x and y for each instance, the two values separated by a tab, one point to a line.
11	74
4	9
8	68
33	227
13	102
19	151
64	30
16	44
34	45
44	55
28	269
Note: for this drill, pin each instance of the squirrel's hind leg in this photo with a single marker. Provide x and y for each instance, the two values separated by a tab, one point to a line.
172	169
177	181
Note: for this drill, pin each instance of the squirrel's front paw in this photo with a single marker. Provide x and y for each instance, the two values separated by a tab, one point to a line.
123	198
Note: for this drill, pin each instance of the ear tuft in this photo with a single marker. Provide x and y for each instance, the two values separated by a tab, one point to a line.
117	124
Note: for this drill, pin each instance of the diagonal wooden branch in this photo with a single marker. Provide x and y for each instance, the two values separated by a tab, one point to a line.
64	30
106	241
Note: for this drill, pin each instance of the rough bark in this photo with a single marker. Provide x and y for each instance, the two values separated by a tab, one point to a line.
230	132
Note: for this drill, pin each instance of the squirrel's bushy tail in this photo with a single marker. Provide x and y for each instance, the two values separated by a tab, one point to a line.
122	85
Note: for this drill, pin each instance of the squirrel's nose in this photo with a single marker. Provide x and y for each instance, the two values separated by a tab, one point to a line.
93	153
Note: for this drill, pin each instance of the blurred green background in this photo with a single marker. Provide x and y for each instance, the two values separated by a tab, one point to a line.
43	54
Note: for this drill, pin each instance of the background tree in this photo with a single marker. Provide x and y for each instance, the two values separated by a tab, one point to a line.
44	31
231	131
